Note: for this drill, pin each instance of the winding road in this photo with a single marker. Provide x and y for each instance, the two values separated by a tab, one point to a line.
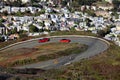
95	46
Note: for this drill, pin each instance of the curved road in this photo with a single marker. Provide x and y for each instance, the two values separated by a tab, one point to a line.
95	46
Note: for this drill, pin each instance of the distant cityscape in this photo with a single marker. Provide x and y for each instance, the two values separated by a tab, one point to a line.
36	17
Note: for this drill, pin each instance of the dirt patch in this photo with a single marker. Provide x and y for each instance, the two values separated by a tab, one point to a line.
21	51
17	54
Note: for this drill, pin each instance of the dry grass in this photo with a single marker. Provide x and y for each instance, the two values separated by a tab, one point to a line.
55	47
85	33
40	52
105	66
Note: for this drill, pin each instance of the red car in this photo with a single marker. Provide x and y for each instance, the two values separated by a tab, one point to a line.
65	40
44	40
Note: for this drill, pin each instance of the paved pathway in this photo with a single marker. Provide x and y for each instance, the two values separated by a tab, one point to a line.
95	46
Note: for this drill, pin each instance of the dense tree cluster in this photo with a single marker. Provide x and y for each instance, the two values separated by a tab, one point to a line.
84	2
15	3
18	3
33	28
116	4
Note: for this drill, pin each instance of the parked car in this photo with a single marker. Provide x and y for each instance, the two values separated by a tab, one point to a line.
43	40
67	63
65	40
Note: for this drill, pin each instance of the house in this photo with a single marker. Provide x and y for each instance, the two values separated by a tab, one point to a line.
111	36
114	30
87	7
83	25
48	10
66	15
32	9
63	19
117	24
64	10
10	0
110	1
78	28
13	36
47	23
43	16
93	8
92	28
108	37
25	1
83	8
6	8
56	1
75	16
23	9
102	13
15	9
54	17
25	28
98	20
70	22
64	29
106	6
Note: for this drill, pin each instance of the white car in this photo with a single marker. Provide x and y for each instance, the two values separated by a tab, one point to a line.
67	63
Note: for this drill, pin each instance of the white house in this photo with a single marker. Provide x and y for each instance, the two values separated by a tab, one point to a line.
64	10
117	23
94	8
6	8
23	9
105	6
110	1
32	9
25	1
15	9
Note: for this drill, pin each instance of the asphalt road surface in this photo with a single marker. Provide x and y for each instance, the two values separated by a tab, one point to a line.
95	46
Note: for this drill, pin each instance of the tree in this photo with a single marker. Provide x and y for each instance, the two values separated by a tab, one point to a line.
101	33
90	12
86	2
17	3
64	3
33	28
2	39
2	25
83	2
88	21
42	11
18	13
1	21
14	30
115	14
34	1
116	3
5	13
